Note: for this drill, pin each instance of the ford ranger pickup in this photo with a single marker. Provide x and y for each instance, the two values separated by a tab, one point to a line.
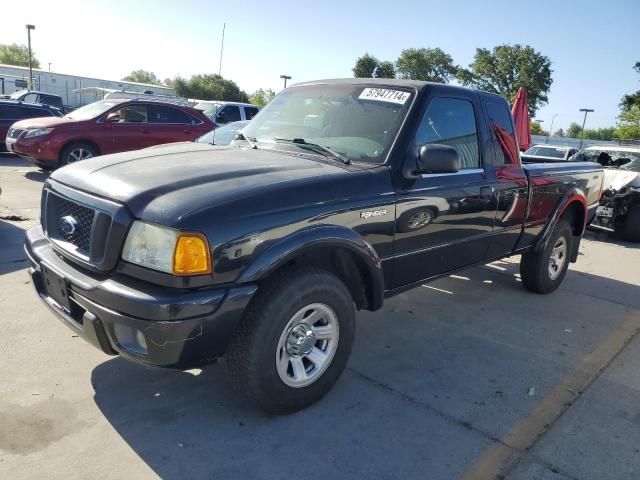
343	193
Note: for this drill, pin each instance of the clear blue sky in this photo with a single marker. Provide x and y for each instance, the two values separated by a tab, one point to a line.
592	45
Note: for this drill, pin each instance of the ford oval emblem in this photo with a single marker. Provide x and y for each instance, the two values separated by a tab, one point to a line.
68	225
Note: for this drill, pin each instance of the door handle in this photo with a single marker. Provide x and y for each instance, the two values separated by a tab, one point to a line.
486	193
146	131
187	131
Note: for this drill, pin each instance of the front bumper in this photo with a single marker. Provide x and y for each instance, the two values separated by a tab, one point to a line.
40	150
181	328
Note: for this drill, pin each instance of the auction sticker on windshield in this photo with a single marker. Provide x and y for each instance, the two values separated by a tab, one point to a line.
385	95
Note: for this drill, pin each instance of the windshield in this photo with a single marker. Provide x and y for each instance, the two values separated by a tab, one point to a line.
358	123
91	111
546	152
18	94
223	135
625	160
209	109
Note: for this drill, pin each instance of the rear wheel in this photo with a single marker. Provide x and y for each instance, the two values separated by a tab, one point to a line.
543	272
76	152
631	228
294	340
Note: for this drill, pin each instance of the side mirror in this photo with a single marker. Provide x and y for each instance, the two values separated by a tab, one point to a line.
112	118
436	158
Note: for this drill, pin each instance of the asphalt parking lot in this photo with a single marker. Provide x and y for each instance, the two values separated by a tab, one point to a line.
470	377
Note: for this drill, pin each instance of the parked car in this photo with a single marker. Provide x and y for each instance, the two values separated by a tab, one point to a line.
12	111
179	254
33	96
225	135
548	153
103	127
619	209
222	113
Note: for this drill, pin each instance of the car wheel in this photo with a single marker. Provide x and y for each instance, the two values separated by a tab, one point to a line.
294	340
76	152
631	229
543	272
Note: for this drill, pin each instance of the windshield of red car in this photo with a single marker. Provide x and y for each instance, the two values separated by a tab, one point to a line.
90	111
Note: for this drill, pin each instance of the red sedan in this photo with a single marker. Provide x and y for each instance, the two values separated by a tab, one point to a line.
103	127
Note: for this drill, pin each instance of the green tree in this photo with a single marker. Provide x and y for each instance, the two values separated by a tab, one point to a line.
507	68
18	55
628	101
629	124
536	129
143	76
385	69
574	130
429	64
559	133
262	96
365	66
606	133
209	87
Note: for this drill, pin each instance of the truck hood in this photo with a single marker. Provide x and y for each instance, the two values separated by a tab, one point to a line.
42	122
616	179
164	184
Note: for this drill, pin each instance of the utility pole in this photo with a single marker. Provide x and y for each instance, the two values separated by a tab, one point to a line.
586	111
29	28
550	128
285	78
224	27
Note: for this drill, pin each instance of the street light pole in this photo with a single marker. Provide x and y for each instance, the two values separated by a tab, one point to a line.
586	111
29	28
285	78
550	128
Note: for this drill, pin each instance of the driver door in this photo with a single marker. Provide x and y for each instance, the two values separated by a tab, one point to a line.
445	221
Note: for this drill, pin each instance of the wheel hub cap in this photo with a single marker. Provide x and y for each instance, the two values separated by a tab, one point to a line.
300	341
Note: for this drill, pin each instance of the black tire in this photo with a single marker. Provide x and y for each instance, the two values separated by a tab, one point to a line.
535	266
67	153
631	228
251	356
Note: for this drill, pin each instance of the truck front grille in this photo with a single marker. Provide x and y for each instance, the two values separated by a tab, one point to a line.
69	213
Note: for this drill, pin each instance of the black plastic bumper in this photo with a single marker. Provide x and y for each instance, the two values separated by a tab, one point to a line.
181	328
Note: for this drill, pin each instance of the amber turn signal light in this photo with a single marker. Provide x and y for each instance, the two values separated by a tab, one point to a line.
191	256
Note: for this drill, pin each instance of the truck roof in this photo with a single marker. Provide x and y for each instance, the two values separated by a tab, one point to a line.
395	82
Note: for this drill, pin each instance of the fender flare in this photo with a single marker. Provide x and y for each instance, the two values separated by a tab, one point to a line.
569	198
289	247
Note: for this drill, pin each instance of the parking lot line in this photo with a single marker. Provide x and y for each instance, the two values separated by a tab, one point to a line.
499	459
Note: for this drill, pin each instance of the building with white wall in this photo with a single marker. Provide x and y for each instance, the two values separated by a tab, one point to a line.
14	78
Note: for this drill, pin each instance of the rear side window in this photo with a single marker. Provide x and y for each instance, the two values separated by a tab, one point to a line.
452	122
35	112
502	128
49	100
250	112
164	114
9	112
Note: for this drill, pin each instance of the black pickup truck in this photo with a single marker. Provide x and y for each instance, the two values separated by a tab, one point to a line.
345	192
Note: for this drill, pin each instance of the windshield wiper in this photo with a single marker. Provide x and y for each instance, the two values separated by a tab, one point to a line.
302	143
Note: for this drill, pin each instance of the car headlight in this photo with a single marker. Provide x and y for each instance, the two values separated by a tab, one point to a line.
167	249
38	132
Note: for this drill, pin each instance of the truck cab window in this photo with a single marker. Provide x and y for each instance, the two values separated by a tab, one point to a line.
502	128
452	122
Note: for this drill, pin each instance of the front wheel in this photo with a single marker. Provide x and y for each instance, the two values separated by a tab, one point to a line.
294	340
543	272
76	152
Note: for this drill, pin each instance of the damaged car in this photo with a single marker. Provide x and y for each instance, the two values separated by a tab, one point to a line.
619	209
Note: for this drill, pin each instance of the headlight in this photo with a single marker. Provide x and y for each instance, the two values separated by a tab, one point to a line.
38	132
167	250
